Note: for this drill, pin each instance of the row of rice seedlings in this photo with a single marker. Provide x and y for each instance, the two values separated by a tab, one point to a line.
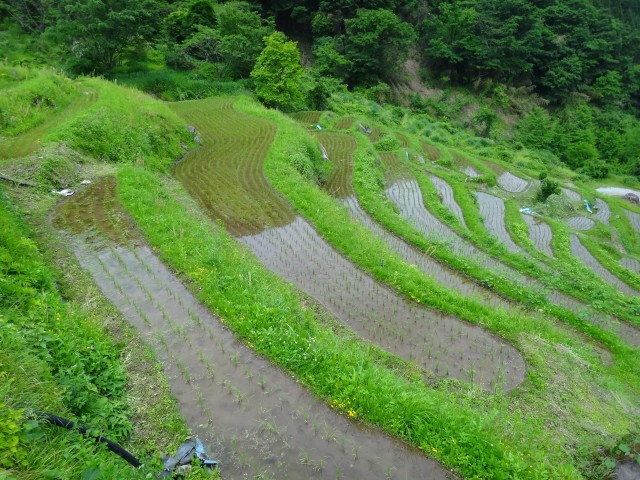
225	174
578	250
297	253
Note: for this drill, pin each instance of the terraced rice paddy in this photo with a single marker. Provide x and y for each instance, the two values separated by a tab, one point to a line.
603	211
404	141
405	192
631	264
307	118
492	211
225	174
299	254
540	233
341	149
256	419
573	196
511	183
579	250
634	218
344	123
445	192
432	152
581	223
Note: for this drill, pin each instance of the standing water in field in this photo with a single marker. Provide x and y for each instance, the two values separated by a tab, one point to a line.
257	420
294	250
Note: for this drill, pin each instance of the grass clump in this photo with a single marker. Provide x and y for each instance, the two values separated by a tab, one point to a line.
52	358
31	98
125	126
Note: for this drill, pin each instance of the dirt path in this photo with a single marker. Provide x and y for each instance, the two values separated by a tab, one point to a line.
257	420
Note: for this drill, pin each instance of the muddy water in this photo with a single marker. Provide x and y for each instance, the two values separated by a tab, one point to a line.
511	183
492	211
578	250
446	196
617	191
438	342
256	419
540	233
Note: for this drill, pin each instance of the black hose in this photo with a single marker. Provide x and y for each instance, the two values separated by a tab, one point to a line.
69	425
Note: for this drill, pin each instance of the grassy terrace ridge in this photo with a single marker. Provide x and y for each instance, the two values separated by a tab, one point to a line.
185	240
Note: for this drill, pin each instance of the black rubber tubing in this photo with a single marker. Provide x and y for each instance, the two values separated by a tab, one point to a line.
69	425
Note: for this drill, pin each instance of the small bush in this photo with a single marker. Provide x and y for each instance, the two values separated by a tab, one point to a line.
388	143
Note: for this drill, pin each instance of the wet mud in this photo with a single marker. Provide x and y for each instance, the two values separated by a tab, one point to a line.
572	195
257	421
603	211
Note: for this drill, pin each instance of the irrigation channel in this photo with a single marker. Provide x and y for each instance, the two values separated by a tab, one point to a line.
437	342
404	191
258	422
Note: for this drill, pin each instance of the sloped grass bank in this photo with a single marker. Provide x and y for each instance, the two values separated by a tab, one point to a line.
123	126
53	357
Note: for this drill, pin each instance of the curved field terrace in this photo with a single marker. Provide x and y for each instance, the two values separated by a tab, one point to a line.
540	233
445	192
257	419
511	183
492	211
592	264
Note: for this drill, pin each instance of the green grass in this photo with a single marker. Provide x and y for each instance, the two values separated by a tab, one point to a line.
270	320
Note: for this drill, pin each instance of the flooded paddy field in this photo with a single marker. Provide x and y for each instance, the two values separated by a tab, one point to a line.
492	211
634	218
579	251
405	192
512	184
439	343
445	192
257	420
581	223
540	233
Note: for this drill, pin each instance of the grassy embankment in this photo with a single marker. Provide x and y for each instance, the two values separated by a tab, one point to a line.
264	318
65	349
